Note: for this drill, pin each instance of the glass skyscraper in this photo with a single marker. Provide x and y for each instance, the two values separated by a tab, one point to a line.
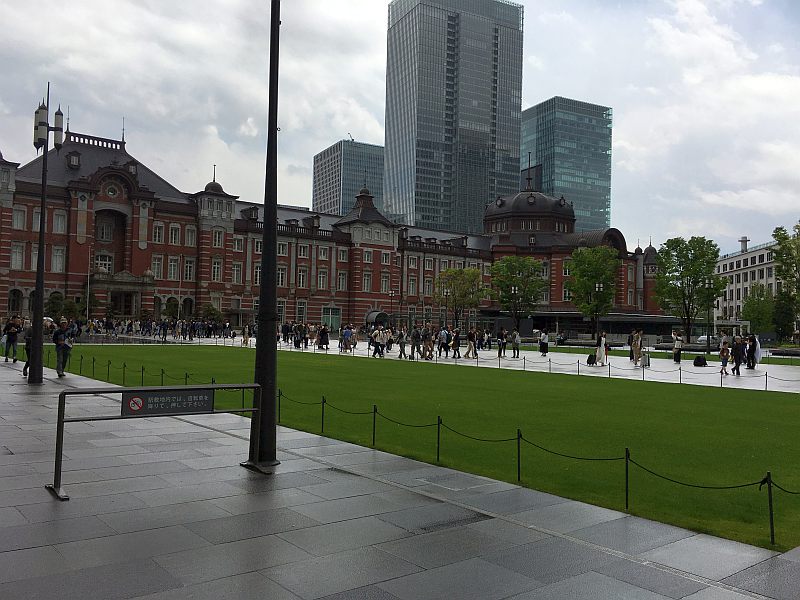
453	103
572	141
341	170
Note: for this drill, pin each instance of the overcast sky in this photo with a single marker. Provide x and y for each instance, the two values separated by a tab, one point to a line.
706	94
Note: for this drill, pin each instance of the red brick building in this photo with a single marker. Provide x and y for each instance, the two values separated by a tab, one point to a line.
140	243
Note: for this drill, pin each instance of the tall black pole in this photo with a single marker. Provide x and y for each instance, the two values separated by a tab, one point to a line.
35	374
266	344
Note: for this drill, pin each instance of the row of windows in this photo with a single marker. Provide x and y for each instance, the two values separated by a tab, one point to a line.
173	265
58	257
750	275
729	266
19	220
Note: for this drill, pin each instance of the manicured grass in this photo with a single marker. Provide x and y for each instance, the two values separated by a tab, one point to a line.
706	436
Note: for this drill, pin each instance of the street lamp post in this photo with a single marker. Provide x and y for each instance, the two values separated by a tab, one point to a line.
446	294
41	137
598	288
709	285
391	305
514	304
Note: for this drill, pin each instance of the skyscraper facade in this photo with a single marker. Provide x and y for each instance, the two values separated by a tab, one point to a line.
571	140
453	104
341	170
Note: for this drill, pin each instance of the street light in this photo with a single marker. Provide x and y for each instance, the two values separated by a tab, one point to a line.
708	283
41	138
391	304
446	294
598	288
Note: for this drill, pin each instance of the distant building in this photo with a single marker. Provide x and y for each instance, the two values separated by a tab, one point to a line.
341	170
742	269
453	101
572	141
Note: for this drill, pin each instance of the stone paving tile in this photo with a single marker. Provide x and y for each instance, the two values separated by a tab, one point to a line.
365	457
464	495
313	441
513	501
20	497
120	548
632	535
650	578
567	516
223	560
327	575
550	560
313	447
248	503
213	462
432	550
344	535
404	499
330	511
127	441
10	516
240	527
162	516
345	489
472	579
192	477
98	583
249	586
98	452
707	556
775	578
33	535
370	592
82	464
590	586
190	493
151	457
712	593
432	517
115	486
281	481
511	532
31	562
54	510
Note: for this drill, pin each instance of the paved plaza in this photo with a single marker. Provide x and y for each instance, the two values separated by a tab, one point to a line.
161	510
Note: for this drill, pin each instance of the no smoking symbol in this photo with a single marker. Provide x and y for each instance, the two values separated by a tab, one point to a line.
135	403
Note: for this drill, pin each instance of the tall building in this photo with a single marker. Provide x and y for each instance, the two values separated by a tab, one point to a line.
572	141
453	102
343	169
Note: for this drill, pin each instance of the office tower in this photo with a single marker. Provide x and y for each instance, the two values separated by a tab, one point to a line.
453	102
341	170
572	141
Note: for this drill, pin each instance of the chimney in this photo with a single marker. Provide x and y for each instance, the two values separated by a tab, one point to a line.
743	241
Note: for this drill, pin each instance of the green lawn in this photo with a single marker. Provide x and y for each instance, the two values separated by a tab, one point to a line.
705	436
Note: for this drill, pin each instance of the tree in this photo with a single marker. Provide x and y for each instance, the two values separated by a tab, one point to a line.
518	285
211	313
759	308
684	269
69	309
786	254
784	316
171	309
459	290
593	274
54	306
93	304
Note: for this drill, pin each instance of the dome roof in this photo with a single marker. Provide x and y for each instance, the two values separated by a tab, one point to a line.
213	186
650	254
530	203
364	192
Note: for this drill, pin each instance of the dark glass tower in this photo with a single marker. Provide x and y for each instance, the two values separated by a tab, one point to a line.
571	140
341	170
453	102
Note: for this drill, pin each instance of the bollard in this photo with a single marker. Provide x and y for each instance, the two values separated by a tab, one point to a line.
519	455
186	379
549	365
680	374
627	479
93	361
280	393
124	366
322	426
609	369
720	379
643	370
374	422
80	366
579	367
523	363
766	382
162	377
48	358
438	436
142	375
108	371
768	481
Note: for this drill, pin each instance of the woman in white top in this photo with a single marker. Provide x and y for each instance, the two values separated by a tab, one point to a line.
677	346
544	341
602	351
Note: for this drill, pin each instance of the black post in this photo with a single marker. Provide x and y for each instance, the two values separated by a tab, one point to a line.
266	360
35	370
627	480
438	437
374	422
579	367
322	425
771	511
519	455
56	487
280	393
186	378
80	366
93	361
124	366
48	358
108	371
142	375
680	375
162	377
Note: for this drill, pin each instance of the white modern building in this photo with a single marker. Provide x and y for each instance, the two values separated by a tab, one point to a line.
748	266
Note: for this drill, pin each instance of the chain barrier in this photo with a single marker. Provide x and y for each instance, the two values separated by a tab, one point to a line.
535	445
383	416
693	485
348	412
783	489
477	439
299	401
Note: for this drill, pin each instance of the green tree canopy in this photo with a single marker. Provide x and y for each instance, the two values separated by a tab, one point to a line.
54	306
171	310
786	254
684	268
784	315
518	284
759	309
459	290
211	313
593	274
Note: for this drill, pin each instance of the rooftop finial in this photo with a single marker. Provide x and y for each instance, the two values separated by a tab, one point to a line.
67	117
365	177
123	129
528	178
214	178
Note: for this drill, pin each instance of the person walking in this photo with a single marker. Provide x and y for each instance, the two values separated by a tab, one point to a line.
27	334
724	355
602	350
501	341
378	341
636	346
401	342
677	346
738	355
456	344
544	342
471	351
11	332
416	343
516	340
63	347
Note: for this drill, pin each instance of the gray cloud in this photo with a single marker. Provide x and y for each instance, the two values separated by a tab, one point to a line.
704	94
